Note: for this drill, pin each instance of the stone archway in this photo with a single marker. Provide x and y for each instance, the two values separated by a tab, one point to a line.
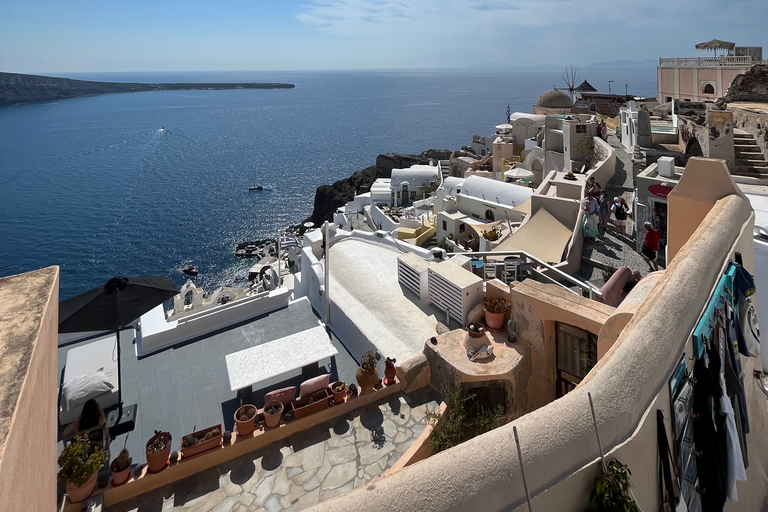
693	148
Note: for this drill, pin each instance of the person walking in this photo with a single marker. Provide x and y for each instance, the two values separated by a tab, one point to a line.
620	211
590	219
651	246
605	209
603	131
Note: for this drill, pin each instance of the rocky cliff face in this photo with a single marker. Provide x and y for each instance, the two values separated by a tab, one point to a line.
330	197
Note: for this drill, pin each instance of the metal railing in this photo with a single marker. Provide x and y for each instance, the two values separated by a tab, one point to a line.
692	62
584	286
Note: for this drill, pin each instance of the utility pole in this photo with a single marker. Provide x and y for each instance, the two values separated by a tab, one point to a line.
626	89
609	86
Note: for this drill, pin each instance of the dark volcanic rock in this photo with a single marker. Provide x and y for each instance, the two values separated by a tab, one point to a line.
330	197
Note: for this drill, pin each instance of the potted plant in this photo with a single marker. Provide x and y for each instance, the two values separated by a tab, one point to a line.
245	417
389	371
158	450
610	490
339	391
476	329
310	404
273	410
121	467
80	462
200	441
367	375
495	308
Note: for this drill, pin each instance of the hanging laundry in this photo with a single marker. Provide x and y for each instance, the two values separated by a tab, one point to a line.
744	291
735	466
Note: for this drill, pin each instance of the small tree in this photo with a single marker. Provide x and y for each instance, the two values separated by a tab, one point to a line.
80	460
464	418
589	151
611	488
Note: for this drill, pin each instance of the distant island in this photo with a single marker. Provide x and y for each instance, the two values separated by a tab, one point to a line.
17	88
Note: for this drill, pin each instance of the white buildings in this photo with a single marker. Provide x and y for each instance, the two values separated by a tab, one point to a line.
405	186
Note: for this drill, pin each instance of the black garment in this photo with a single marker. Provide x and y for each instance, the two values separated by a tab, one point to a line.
629	286
709	433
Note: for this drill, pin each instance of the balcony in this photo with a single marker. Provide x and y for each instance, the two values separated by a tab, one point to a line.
693	62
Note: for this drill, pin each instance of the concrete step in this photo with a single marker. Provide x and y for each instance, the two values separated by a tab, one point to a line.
742	170
747	149
737	135
745	142
751	163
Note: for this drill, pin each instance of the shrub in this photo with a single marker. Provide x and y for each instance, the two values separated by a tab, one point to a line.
610	491
464	418
80	460
491	235
495	304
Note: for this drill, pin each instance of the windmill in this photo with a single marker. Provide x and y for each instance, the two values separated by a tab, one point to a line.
571	79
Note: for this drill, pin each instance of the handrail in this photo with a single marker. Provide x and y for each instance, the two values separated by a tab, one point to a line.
724	60
593	291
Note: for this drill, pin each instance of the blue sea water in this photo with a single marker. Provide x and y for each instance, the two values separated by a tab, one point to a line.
96	186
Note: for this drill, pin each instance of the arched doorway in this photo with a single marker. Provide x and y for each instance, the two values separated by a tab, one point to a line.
404	198
708	89
489	215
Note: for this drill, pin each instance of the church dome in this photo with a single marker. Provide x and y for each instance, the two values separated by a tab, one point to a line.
554	99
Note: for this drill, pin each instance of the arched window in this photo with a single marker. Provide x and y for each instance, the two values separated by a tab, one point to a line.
489	215
708	89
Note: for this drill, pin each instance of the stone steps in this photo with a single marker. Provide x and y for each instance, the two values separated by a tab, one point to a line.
751	163
747	149
757	172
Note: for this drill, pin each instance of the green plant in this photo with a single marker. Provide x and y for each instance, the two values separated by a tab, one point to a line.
122	462
80	460
311	400
476	327
158	442
610	491
246	413
589	151
444	245
429	187
495	304
464	418
608	273
368	361
340	387
189	440
272	410
491	235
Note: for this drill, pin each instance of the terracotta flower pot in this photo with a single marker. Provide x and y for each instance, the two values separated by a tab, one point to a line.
157	461
120	477
338	396
273	420
494	320
78	493
244	428
367	379
390	374
476	334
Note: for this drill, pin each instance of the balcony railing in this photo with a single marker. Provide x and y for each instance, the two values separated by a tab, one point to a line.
692	62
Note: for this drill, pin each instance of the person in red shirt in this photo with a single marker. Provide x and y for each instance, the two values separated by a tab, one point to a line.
651	246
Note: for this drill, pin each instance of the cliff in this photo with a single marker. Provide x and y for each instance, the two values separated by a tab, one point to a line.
330	197
16	88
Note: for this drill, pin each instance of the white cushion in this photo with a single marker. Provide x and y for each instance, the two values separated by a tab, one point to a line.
79	390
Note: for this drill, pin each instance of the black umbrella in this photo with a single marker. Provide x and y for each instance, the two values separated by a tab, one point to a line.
112	306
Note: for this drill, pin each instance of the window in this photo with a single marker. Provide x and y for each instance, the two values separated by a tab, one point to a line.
489	215
576	355
445	226
462	227
708	89
482	152
686	99
669	98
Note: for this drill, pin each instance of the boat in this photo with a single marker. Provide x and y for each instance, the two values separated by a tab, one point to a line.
190	271
256	187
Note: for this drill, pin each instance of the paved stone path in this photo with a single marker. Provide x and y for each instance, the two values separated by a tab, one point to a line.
610	248
310	467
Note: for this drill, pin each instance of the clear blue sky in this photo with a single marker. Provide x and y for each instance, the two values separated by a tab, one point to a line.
47	36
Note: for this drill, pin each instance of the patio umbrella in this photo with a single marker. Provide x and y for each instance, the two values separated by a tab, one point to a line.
112	306
518	173
715	44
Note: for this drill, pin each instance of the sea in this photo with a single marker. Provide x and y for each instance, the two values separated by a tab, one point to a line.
147	183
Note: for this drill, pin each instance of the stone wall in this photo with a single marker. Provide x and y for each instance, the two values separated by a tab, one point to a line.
755	123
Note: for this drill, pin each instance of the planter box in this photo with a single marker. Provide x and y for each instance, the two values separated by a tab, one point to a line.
302	408
201	446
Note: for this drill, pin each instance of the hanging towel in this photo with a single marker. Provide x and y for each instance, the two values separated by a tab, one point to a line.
736	471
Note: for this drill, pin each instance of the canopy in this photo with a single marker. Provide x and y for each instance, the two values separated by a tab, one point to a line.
517	173
716	44
585	87
543	236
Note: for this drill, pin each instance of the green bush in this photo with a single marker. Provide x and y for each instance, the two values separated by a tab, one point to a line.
464	418
80	460
609	492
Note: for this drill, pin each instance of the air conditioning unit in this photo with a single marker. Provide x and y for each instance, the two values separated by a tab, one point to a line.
454	289
412	274
666	165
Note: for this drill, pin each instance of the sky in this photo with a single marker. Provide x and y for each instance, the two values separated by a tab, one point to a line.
50	36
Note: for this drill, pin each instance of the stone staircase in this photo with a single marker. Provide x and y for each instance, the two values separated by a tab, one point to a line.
750	160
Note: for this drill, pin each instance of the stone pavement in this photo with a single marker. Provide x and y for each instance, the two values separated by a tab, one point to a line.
610	248
301	471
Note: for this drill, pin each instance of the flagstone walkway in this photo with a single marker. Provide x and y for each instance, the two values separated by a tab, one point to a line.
301	471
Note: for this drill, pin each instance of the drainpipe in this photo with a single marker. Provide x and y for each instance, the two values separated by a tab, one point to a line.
327	266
